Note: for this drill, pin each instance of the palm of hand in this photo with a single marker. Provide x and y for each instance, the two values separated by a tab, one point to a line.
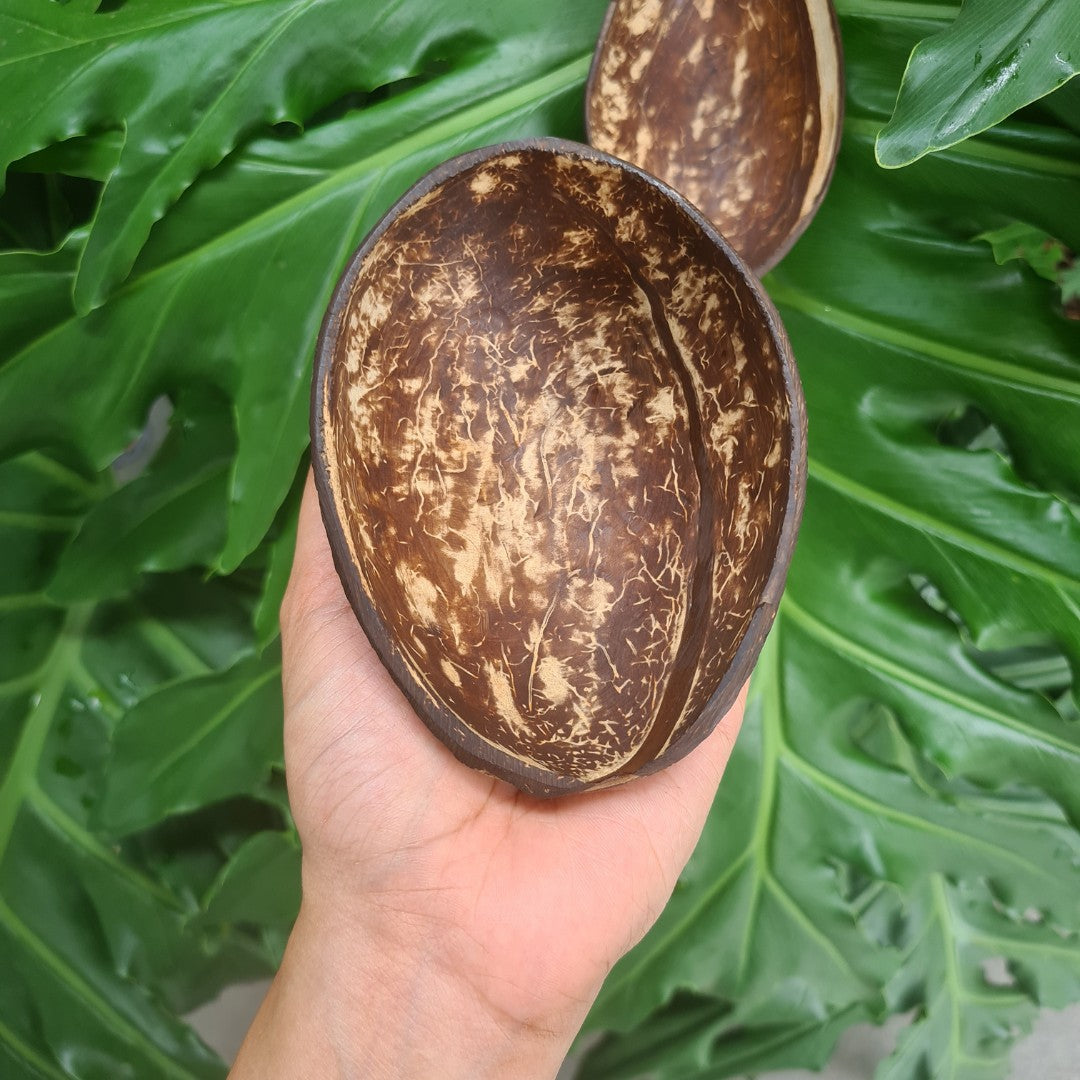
526	902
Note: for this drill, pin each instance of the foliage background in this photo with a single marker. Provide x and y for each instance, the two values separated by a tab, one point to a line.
184	182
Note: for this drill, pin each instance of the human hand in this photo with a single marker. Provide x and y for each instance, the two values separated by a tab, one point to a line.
451	926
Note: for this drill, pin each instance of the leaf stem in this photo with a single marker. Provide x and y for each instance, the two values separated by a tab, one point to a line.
24	764
28	1054
65	824
875	661
964	539
73	980
932	349
895	9
952	978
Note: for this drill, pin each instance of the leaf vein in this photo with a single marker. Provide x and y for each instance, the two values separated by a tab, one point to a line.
91	998
214	722
847	645
961	538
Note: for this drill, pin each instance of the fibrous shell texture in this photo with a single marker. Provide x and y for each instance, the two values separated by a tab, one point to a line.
559	449
737	105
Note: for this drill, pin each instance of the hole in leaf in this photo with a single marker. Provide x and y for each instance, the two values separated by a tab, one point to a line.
1035	666
1041	668
68	767
971	429
286	129
189	850
995	972
932	596
875	904
353	101
852	881
140	453
37	210
338	108
440	59
1030	667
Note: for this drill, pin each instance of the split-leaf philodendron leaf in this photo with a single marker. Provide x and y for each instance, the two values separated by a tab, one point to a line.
992	60
184	183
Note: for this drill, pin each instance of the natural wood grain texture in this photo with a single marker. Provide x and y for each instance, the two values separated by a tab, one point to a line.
735	105
559	447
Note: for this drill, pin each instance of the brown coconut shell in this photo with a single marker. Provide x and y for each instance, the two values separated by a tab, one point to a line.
559	443
739	106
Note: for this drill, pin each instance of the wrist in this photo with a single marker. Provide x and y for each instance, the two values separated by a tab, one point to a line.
376	991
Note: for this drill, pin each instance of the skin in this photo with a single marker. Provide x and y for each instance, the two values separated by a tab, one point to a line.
450	926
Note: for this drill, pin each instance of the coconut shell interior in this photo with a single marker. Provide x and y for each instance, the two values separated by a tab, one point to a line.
736	105
559	447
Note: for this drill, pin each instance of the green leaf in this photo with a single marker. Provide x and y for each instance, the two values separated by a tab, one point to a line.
232	292
187	745
881	750
35	290
1070	285
968	1014
170	517
83	929
1019	241
1063	106
994	59
226	300
92	157
281	545
260	885
1049	258
184	84
904	798
697	1038
740	880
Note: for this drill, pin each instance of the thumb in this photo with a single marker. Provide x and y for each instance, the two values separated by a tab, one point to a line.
326	654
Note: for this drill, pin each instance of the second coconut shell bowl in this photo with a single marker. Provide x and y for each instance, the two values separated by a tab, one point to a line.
738	106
